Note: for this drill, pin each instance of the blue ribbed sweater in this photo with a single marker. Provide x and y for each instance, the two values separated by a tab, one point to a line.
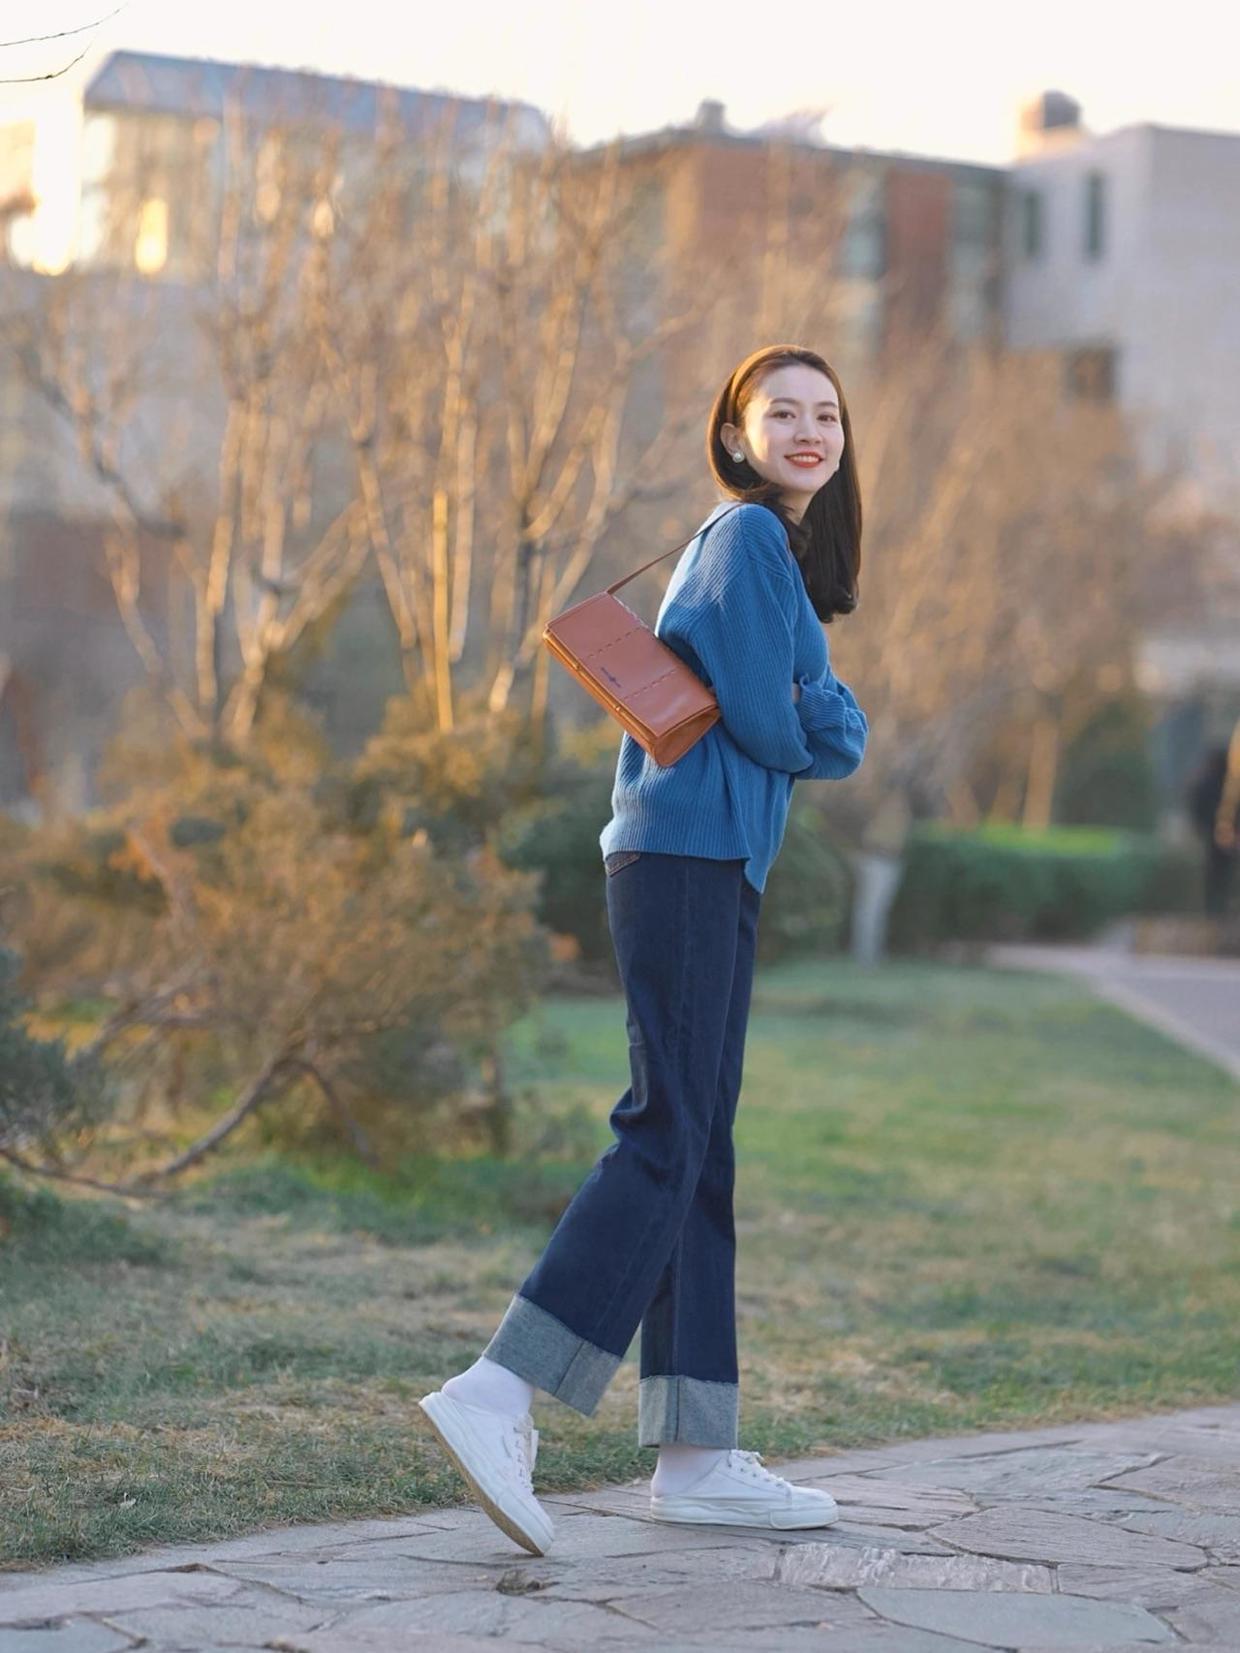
737	612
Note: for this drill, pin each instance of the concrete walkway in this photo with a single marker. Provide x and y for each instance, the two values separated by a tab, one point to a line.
1117	1536
1195	1001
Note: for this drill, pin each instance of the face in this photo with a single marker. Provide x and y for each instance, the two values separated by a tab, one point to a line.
794	411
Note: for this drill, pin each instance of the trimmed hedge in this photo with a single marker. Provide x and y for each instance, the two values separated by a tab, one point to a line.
1003	883
807	902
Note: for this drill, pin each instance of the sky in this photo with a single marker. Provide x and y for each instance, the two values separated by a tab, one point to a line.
943	79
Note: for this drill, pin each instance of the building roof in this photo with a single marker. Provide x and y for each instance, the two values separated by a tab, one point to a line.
194	87
715	133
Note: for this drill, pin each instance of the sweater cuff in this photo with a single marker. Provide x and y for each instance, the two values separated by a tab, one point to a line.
820	708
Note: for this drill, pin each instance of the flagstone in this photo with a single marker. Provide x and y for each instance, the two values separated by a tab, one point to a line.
1158	1588
894	1502
50	1599
1109	1536
599	1579
1197	1483
1034	1471
486	1543
841	1569
740	1605
349	1640
996	1619
853	1535
1218	1533
247	1620
1027	1534
490	1613
1108	1503
1211	1615
983	1444
75	1636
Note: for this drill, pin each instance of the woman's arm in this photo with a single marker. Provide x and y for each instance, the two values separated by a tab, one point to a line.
743	637
836	728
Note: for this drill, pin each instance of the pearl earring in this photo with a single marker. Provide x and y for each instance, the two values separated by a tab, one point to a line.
738	456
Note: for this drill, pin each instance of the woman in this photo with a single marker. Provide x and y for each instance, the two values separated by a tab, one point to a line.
649	1238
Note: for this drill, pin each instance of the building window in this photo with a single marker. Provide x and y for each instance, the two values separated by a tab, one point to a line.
973	201
1089	373
862	249
150	248
1031	227
1095	207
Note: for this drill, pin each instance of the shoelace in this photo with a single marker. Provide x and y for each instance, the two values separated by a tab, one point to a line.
523	1444
750	1463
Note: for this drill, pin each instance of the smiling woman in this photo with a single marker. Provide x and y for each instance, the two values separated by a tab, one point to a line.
818	450
781	403
648	1240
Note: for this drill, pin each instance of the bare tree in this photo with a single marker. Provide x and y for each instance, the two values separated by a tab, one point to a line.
1009	544
487	383
414	350
269	554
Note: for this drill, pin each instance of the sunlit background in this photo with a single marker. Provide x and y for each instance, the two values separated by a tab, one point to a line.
942	80
343	349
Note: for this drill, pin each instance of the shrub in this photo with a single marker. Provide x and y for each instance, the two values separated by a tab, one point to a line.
808	895
358	978
49	1229
42	1091
557	837
1107	776
455	785
1002	883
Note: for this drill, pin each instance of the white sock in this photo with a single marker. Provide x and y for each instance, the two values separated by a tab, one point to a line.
487	1383
679	1466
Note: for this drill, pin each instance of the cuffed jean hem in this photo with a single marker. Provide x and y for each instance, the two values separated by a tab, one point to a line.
543	1350
693	1411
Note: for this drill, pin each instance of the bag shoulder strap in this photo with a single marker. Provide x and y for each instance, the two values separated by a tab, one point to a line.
618	583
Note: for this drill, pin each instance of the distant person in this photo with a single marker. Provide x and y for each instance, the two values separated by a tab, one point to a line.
1213	799
649	1239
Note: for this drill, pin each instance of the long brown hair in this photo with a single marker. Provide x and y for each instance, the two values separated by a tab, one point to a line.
827	541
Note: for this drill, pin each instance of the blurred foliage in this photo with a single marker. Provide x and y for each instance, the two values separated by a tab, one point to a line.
63	1232
255	930
809	890
1107	775
558	837
1005	883
43	1091
456	784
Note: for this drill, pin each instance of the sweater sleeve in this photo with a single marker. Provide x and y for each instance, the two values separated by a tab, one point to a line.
835	727
743	636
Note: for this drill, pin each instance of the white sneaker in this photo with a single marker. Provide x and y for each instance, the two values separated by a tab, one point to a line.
495	1452
739	1492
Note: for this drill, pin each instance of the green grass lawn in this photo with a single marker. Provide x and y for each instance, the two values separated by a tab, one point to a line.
965	1199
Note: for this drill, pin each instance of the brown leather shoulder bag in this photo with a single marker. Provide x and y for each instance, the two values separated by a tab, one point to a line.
645	685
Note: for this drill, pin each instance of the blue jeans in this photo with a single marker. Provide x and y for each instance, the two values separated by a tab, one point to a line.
648	1237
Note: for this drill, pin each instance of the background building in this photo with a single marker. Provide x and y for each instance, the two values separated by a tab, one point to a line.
1115	249
878	242
1122	249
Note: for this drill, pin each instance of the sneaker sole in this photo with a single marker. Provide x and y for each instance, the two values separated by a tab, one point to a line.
719	1513
455	1442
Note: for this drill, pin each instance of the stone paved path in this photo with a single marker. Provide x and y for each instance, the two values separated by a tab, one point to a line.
1119	1536
1193	1000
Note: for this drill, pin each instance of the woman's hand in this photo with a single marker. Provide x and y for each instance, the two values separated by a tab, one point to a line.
796	692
